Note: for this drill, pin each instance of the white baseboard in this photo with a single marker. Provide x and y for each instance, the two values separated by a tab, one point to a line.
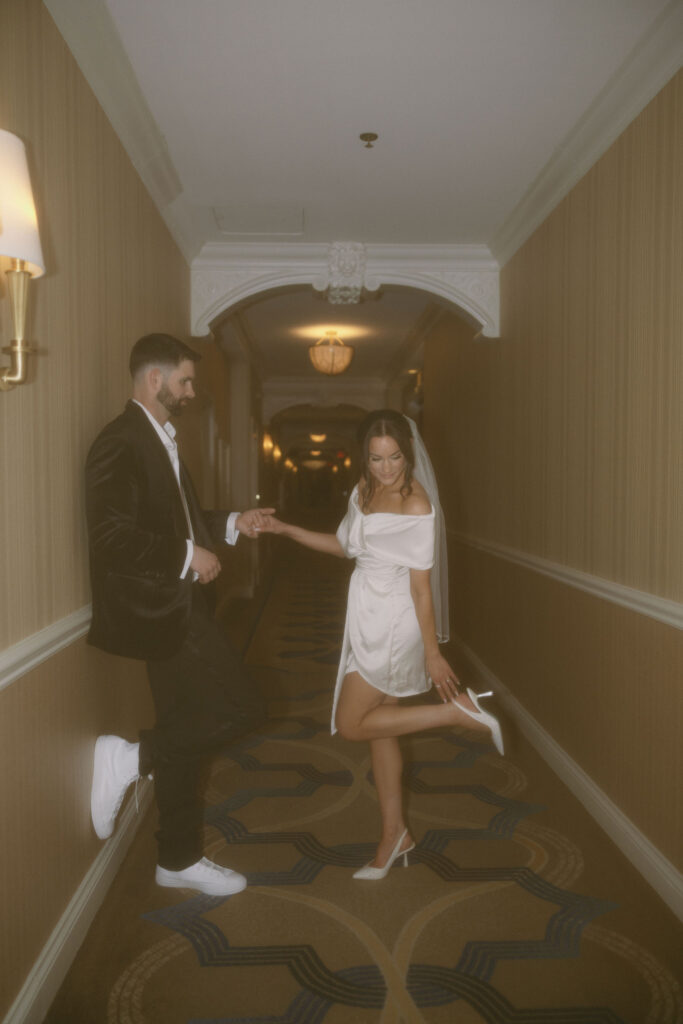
659	872
48	972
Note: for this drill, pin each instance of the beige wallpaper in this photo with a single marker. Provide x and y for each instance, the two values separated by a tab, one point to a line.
564	439
113	274
569	429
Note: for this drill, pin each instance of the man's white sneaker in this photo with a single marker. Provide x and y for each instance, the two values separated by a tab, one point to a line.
116	766
204	876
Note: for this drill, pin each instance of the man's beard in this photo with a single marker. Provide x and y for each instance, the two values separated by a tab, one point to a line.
173	406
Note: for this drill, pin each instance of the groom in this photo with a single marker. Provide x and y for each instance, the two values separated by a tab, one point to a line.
152	562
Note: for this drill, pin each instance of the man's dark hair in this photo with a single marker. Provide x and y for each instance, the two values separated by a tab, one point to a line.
159	350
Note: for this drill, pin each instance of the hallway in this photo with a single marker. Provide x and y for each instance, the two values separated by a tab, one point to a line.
502	262
515	907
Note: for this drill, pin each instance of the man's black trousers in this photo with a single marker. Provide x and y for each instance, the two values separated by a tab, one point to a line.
204	701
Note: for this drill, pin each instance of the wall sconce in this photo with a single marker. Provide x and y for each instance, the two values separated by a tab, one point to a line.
20	242
277	453
330	355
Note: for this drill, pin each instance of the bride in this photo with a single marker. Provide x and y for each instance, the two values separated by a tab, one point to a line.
397	614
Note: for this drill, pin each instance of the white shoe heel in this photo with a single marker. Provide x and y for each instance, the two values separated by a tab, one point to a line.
484	717
371	873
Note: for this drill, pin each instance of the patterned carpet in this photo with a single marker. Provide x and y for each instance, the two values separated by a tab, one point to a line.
515	907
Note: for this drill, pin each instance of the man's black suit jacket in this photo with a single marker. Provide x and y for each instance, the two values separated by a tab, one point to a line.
138	532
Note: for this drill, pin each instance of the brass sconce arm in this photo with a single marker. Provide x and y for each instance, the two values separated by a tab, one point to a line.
17	286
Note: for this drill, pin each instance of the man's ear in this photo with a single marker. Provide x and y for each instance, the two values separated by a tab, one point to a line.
154	379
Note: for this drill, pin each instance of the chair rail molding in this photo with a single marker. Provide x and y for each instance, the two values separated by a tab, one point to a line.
27	654
642	602
224	274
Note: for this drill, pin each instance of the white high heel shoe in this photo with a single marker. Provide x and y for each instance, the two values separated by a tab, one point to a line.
373	874
483	716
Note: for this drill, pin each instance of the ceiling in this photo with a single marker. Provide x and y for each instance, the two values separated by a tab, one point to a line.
243	118
260	104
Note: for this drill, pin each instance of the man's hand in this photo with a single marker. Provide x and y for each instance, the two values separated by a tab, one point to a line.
252	522
205	564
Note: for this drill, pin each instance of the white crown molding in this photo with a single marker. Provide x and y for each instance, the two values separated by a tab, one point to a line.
640	601
647	69
48	972
21	657
659	872
90	33
225	274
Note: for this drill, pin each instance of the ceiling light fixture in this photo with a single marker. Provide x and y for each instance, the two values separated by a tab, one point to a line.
318	438
368	138
330	355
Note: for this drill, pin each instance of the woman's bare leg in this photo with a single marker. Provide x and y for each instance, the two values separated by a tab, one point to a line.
387	768
363	713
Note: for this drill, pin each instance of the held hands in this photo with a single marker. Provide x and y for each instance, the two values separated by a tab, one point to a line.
271	524
443	677
254	521
207	565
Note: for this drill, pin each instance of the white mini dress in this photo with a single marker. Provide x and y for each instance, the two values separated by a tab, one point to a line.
382	638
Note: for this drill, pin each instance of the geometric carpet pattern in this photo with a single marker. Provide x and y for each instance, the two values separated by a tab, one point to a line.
501	917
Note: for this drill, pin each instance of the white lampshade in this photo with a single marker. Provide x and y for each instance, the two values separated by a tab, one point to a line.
19	238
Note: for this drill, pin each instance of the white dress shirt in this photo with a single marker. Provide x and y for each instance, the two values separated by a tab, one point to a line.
167	437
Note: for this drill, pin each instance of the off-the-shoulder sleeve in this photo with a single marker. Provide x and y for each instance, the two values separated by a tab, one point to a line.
343	534
347	530
402	540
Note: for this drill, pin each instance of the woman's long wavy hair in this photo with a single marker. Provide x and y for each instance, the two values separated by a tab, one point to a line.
384	423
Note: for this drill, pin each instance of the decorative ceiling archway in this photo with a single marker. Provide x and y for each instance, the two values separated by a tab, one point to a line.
226	274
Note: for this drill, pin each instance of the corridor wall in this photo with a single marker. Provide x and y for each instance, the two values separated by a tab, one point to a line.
559	448
113	274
